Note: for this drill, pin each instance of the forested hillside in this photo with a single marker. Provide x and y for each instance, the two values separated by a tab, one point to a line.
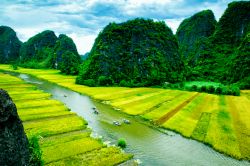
45	50
223	55
192	33
138	52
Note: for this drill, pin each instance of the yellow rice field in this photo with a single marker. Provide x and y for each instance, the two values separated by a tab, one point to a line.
220	121
62	134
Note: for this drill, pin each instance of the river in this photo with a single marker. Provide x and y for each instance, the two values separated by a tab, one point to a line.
148	145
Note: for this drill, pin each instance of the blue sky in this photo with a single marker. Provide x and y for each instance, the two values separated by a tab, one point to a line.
82	20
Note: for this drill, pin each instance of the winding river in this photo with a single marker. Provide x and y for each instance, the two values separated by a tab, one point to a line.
148	145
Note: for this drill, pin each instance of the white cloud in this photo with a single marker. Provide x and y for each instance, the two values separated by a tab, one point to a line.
83	42
83	19
174	23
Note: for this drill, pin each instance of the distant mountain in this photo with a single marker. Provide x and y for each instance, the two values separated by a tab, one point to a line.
138	51
45	50
65	44
38	46
85	56
9	45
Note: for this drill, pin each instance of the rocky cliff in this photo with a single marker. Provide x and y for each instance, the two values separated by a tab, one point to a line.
13	141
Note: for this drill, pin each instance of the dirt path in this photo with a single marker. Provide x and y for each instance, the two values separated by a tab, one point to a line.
160	104
171	113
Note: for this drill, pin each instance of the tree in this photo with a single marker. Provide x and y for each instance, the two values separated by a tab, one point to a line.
69	64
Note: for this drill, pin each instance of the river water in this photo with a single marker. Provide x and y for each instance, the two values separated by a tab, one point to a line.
150	146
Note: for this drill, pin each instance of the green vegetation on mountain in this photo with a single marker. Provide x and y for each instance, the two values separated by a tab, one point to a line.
240	67
138	52
65	55
9	45
224	56
38	46
70	63
232	26
230	44
45	50
193	31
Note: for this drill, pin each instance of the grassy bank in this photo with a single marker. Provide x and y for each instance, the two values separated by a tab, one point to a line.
220	121
63	136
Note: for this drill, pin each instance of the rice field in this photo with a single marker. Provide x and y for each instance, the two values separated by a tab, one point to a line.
62	134
223	122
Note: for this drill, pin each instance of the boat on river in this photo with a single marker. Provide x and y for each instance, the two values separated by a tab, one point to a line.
126	121
116	123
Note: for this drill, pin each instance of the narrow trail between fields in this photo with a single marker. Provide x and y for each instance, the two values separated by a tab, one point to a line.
162	103
167	116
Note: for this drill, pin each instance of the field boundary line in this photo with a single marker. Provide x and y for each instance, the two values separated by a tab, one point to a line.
171	113
49	118
53	161
160	104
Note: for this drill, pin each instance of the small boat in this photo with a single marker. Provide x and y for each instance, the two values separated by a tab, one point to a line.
126	121
64	95
116	123
96	111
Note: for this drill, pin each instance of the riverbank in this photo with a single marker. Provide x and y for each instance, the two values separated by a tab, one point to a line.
63	136
215	120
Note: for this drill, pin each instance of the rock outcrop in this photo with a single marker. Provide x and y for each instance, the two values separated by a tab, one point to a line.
13	141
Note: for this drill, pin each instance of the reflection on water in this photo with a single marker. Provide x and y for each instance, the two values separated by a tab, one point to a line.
147	144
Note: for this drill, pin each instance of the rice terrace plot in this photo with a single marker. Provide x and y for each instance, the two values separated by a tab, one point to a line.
62	134
221	121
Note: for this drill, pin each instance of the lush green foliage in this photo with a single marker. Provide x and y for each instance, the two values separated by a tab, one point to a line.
208	87
192	31
67	57
35	151
225	55
122	143
36	48
45	50
69	63
9	45
138	51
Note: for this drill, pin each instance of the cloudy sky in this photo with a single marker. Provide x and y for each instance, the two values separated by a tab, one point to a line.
82	20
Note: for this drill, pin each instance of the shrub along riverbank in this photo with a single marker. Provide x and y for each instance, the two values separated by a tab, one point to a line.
207	87
218	120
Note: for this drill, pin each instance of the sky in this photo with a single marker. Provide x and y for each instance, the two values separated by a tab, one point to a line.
82	20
